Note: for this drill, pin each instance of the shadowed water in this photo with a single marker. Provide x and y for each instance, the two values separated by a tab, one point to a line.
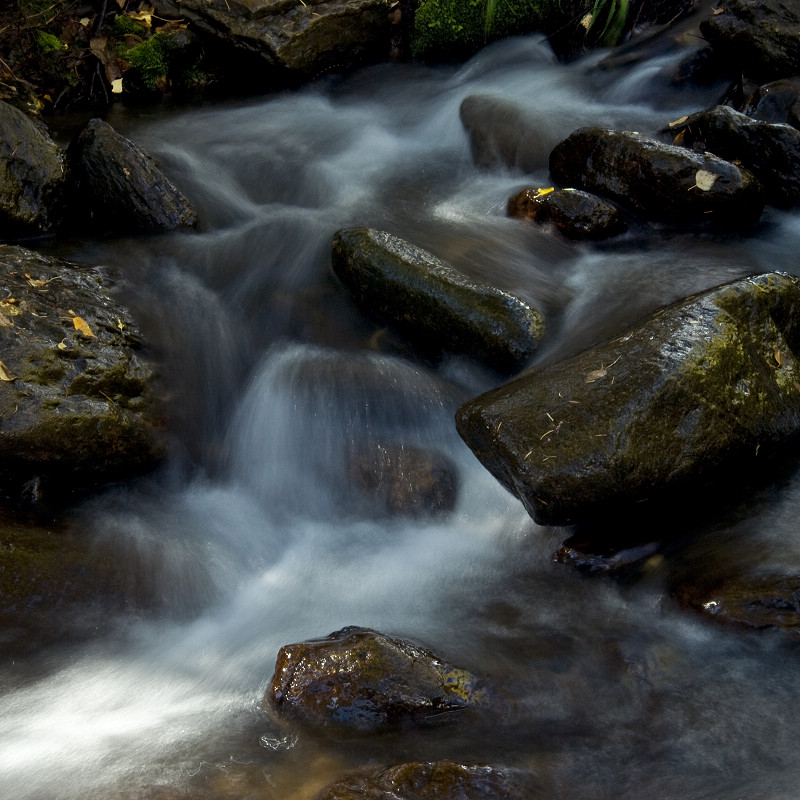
253	536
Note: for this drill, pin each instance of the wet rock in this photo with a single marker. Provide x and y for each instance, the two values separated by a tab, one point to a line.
596	558
658	181
778	101
702	391
432	303
33	176
366	682
432	780
758	37
576	214
502	135
404	480
78	397
766	601
771	152
277	37
121	187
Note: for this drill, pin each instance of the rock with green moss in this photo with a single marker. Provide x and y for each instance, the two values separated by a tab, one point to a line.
79	403
279	38
433	303
33	176
658	181
121	188
431	780
703	391
363	681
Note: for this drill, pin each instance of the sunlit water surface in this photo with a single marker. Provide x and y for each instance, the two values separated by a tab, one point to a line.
252	537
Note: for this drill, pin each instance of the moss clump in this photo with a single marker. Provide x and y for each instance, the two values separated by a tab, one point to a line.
123	25
457	26
150	59
49	43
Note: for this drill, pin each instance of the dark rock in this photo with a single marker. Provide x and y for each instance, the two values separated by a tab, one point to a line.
433	780
33	176
403	480
593	557
280	37
121	186
771	152
777	102
766	601
366	682
502	135
760	38
433	303
78	399
701	391
577	214
659	181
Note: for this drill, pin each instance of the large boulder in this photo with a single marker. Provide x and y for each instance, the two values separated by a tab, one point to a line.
121	187
658	181
79	403
433	303
301	39
432	780
33	176
777	101
363	681
575	213
760	38
704	389
771	152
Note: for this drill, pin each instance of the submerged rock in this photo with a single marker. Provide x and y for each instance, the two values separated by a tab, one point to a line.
121	186
433	303
366	682
432	780
33	176
78	398
778	101
404	480
771	152
301	38
659	181
576	214
704	389
760	38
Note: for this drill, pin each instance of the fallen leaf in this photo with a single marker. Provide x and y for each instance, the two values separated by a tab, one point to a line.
82	326
679	139
595	375
35	282
5	373
86	22
62	345
778	357
6	322
120	325
716	11
704	179
116	86
678	121
543	192
587	21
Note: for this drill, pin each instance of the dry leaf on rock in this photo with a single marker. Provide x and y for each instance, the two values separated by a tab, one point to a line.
5	373
82	326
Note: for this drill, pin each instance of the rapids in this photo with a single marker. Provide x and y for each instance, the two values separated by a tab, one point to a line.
249	539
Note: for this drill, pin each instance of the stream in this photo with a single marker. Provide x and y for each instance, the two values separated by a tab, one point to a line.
253	537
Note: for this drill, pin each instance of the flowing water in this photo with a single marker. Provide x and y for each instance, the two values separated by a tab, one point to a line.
252	537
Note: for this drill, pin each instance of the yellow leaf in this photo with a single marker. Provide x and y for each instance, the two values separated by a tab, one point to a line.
82	326
35	282
543	192
120	325
704	179
62	345
679	121
587	21
5	373
116	86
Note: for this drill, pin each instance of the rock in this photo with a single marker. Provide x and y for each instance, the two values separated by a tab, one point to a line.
758	37
776	102
366	682
766	601
122	187
433	303
771	152
432	780
701	391
276	37
403	480
33	176
576	214
78	397
502	135
658	181
593	557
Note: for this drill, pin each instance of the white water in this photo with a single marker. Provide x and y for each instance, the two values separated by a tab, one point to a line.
252	537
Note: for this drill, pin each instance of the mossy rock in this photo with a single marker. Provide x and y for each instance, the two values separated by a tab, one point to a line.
703	391
79	403
435	305
364	682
